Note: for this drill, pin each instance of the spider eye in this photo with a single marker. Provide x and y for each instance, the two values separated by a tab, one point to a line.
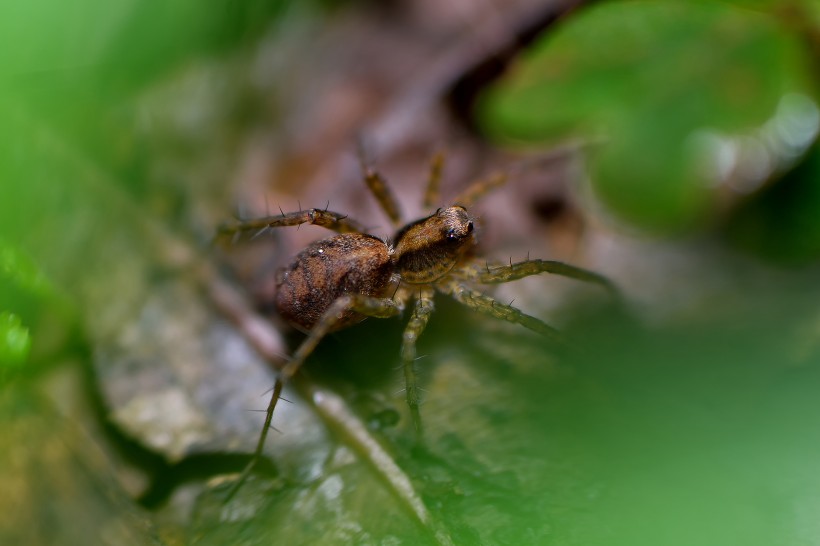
469	227
451	235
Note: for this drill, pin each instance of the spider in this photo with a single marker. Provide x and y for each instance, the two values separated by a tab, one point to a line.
339	281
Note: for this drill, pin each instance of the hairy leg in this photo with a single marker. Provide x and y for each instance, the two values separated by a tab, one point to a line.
486	305
480	188
366	305
378	187
495	273
431	193
318	217
416	325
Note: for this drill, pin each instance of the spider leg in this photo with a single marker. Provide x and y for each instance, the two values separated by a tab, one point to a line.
480	188
366	305
335	221
414	328
431	193
486	305
378	187
496	274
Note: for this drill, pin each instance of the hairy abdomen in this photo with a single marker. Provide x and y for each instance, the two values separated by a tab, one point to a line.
330	268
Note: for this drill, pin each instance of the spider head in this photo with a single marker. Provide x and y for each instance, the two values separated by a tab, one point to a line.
426	250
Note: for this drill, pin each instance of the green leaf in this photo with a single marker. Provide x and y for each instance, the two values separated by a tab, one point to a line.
18	270
15	342
650	77
122	42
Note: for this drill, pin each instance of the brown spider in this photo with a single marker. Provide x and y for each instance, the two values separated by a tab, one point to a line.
339	281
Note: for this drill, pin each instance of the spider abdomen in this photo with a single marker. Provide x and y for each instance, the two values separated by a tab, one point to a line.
352	263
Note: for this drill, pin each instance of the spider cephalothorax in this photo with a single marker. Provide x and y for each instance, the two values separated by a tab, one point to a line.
338	281
428	249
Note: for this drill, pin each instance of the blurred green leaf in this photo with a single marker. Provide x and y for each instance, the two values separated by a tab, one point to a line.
19	271
123	42
15	342
77	68
648	77
24	293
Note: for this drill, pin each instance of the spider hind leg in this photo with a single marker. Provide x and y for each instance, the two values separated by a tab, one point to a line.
358	303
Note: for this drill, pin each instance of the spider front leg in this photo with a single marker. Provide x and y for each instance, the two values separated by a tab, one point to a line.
365	305
431	193
335	221
480	188
414	328
378	187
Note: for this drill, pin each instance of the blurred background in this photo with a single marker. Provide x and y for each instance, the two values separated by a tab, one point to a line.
671	146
